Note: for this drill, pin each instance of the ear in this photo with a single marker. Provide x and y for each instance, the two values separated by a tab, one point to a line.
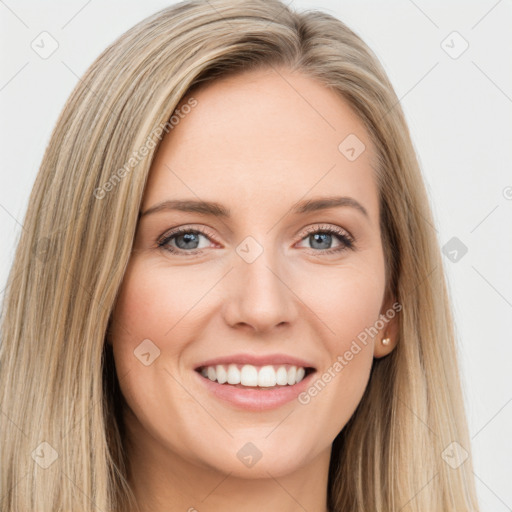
389	316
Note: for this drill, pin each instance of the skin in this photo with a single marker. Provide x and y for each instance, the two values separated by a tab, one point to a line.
257	143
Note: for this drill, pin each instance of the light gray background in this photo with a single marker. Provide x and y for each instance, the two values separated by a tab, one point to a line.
459	111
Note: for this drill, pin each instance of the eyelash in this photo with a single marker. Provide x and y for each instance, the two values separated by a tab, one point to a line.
346	240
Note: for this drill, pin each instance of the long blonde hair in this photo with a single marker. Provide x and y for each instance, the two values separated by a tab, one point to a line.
61	433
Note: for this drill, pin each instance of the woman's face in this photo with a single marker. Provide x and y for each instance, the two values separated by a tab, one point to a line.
268	277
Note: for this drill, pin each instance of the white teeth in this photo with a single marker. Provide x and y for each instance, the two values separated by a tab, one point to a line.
249	375
266	377
292	373
233	374
282	376
222	375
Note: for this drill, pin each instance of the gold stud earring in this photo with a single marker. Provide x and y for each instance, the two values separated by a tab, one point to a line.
386	341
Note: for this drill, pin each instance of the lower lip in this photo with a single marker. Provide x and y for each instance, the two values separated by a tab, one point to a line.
250	399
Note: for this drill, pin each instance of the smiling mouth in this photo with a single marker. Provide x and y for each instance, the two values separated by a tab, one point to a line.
249	376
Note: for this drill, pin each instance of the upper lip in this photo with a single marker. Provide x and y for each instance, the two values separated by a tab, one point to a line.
257	360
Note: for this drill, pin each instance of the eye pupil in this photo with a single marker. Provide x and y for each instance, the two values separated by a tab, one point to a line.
189	237
322	238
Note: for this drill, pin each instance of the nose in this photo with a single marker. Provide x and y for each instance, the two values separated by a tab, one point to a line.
260	297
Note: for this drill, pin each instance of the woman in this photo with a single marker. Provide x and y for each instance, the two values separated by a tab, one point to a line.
228	294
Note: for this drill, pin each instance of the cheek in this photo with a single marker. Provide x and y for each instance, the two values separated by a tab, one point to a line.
347	309
338	387
154	304
358	300
151	329
347	302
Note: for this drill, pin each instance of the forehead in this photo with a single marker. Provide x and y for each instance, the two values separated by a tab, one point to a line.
265	137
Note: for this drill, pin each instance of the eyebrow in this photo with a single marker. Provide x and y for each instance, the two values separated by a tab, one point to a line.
218	210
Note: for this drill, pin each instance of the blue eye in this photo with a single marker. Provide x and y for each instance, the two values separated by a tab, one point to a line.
186	241
322	236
